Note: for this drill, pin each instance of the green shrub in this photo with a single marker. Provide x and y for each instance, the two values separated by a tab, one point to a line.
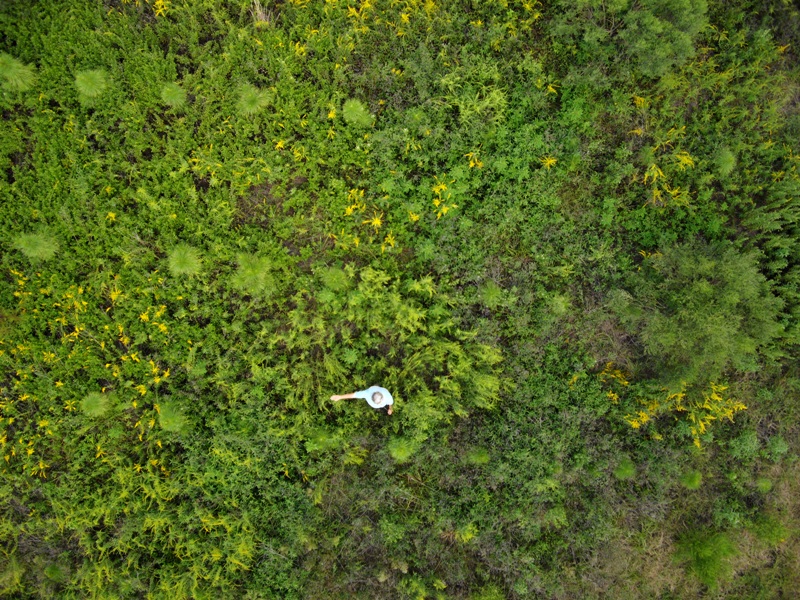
251	100
401	449
171	417
91	84
626	469
253	275
95	404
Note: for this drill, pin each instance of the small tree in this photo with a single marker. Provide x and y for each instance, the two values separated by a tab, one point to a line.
698	310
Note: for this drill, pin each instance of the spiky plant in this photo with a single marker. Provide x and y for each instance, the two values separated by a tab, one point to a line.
91	84
37	247
625	470
491	294
253	275
173	95
356	114
725	161
334	279
251	100
401	449
184	260
171	418
16	76
95	404
478	456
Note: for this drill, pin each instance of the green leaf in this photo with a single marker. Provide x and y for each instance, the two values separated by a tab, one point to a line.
356	114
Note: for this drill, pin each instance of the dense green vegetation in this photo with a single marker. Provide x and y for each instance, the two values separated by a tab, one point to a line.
564	234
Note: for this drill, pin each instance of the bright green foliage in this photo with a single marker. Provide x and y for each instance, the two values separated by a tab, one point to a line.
36	247
15	75
706	554
91	84
692	480
253	275
184	260
478	456
356	114
172	94
171	417
763	485
626	469
401	449
95	404
251	100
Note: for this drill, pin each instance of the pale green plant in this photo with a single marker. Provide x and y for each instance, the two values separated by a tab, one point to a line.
91	84
173	95
253	275
95	404
251	100
356	114
171	418
184	260
37	247
16	76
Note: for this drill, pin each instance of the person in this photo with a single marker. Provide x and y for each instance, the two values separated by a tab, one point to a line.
376	397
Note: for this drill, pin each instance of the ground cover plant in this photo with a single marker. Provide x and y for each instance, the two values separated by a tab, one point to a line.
564	234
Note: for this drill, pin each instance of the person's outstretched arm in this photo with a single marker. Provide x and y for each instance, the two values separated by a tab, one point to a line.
336	398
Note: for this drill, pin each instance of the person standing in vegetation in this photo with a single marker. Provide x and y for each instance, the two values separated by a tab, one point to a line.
376	397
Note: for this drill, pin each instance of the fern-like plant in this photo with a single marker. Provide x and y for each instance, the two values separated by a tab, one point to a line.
15	75
401	449
173	95
95	404
251	100
692	480
37	247
356	114
253	275
91	85
184	260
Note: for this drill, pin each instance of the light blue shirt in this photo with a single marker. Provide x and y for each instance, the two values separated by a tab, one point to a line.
367	395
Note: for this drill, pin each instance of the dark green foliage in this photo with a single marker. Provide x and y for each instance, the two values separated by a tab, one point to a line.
698	310
660	33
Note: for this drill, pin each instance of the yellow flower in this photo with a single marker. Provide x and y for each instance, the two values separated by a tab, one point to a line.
332	113
414	217
111	216
144	317
160	7
376	221
548	162
280	145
